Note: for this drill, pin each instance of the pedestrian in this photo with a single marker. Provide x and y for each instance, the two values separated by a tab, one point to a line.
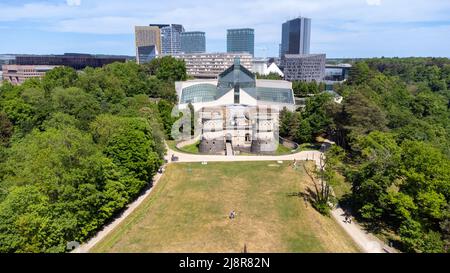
232	214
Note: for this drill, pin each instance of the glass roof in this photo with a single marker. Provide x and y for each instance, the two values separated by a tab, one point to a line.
240	77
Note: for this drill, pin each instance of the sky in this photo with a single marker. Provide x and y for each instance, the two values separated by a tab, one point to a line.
340	28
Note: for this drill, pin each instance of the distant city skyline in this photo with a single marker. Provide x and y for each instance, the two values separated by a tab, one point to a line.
340	28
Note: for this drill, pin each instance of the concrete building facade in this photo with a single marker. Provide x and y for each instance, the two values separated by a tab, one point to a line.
17	74
210	65
148	43
307	68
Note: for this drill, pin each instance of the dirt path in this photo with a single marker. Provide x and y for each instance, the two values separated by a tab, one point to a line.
366	241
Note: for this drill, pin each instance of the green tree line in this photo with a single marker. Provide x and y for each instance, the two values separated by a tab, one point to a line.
76	147
394	127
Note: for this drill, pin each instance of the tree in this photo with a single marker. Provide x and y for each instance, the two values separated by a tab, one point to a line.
270	76
62	76
165	112
192	116
359	73
74	101
6	129
322	177
167	68
315	114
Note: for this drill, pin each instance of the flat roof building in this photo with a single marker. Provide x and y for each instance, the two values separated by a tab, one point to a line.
210	65
310	67
193	42
17	74
241	40
77	61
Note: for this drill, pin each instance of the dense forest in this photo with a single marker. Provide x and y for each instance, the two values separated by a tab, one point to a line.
393	127
76	147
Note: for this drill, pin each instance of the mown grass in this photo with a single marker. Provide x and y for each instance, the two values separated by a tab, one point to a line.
188	212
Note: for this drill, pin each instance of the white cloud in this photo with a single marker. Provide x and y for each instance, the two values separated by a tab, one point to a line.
349	22
373	2
73	2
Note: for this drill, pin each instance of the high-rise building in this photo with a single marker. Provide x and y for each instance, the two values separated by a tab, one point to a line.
304	67
170	38
296	36
241	40
148	43
193	42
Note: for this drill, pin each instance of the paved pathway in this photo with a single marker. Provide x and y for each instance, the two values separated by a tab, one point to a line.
305	155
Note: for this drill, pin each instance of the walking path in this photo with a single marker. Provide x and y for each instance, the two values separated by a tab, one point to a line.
366	241
184	157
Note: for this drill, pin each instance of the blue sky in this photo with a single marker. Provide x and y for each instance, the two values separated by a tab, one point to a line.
340	28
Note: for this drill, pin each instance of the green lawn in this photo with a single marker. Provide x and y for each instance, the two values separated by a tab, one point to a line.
191	149
188	212
283	150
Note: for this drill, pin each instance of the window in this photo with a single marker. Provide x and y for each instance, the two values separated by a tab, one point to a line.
199	93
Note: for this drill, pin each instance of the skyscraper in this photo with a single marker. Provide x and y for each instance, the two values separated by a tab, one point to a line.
241	40
193	42
296	36
148	43
170	37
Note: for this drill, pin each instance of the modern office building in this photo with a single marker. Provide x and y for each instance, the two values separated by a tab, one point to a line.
236	112
210	65
296	36
241	40
148	43
170	38
307	68
75	60
17	74
193	42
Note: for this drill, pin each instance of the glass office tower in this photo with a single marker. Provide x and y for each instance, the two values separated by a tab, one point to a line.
296	36
193	42
170	38
241	40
